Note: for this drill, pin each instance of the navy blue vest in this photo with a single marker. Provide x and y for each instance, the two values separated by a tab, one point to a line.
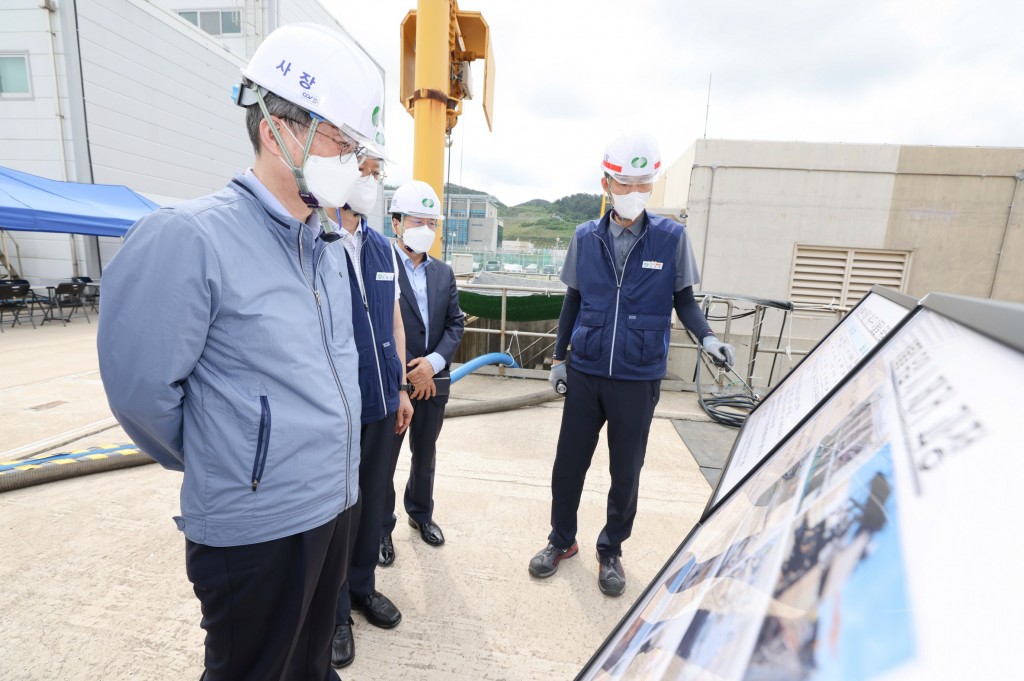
380	369
622	330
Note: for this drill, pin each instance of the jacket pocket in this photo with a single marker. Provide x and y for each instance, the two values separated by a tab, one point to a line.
262	443
586	340
645	338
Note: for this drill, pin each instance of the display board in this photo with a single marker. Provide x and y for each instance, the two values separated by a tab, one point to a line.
880	540
809	381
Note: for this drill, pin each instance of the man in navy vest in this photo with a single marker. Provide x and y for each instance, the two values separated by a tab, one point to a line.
625	273
380	340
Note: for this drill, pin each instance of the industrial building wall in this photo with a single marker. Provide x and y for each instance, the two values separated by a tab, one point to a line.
149	108
36	128
749	203
30	124
954	207
158	101
956	210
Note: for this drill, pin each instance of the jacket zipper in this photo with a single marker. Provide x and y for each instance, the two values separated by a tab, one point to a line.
618	290
330	362
262	443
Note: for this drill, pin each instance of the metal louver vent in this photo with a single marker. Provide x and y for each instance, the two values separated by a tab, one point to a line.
841	276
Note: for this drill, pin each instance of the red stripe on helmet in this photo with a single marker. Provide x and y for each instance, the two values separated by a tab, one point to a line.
657	165
614	168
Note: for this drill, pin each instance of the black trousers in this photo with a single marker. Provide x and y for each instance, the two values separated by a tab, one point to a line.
627	407
427	419
375	441
268	608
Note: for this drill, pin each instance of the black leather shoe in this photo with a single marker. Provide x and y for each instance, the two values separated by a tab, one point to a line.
343	648
387	551
545	563
611	577
378	609
430	532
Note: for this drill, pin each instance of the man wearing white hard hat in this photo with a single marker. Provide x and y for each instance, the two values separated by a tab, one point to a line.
625	273
227	352
433	330
380	339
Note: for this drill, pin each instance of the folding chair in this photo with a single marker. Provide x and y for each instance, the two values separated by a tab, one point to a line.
14	299
91	292
63	297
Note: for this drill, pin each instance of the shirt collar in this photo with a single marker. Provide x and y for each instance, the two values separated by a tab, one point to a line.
406	260
358	233
635	229
271	203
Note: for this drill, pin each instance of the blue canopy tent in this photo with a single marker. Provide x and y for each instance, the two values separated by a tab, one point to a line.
36	204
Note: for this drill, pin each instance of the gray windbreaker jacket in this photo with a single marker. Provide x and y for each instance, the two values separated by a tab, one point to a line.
226	351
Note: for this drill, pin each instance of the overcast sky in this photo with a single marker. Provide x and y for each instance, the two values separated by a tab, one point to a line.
571	74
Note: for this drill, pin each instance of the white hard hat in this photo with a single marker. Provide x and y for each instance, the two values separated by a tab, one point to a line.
418	199
633	158
378	149
323	72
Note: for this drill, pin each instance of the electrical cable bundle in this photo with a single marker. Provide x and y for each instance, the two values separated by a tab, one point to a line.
724	408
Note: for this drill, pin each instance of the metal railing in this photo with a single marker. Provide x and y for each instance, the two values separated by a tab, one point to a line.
734	311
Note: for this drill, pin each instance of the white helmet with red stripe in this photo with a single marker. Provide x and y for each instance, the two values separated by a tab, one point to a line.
633	158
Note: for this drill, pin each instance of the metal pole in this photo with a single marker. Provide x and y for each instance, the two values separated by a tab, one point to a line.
430	98
501	336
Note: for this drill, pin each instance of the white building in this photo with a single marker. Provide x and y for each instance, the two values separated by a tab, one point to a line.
126	92
472	222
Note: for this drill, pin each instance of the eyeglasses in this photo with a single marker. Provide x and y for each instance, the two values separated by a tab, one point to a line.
378	175
348	146
421	222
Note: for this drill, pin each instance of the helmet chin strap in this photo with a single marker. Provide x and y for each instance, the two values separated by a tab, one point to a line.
300	179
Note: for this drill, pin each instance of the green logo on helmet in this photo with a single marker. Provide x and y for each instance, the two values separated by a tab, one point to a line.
375	116
379	137
639	162
428	203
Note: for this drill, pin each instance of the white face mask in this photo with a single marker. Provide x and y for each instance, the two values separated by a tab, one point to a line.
419	239
364	195
328	178
629	206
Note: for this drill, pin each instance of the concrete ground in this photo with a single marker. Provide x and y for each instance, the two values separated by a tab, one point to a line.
93	568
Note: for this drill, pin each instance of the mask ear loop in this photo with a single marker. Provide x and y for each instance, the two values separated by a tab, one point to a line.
300	178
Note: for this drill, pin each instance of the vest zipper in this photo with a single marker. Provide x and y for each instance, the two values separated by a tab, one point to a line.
376	355
330	363
618	290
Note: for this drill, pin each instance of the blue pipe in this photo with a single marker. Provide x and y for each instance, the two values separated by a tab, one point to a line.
472	365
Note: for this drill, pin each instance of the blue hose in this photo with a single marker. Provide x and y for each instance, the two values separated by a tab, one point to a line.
472	365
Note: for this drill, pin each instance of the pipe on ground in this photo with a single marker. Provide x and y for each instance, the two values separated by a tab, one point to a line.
38	476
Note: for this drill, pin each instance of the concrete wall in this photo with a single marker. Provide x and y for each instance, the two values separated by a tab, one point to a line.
958	210
749	203
952	207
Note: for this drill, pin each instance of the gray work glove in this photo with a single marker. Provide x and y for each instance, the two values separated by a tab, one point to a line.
559	378
721	353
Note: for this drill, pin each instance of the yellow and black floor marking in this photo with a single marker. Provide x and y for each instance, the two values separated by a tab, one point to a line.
79	456
38	469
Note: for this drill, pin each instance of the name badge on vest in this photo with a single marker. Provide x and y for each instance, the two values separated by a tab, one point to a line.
652	265
387	276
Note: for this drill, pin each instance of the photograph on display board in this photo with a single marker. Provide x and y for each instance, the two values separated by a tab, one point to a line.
863	327
843	555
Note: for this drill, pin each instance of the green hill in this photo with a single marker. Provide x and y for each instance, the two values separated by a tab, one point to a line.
545	223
